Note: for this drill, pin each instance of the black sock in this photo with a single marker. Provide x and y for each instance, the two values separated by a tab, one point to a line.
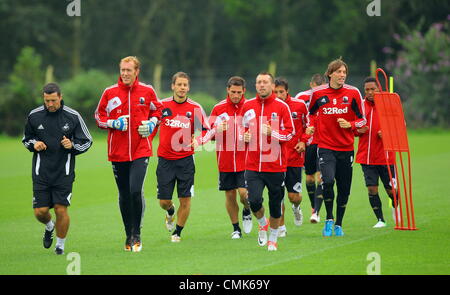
328	198
171	211
318	195
311	188
246	212
341	205
375	202
126	207
236	227
178	230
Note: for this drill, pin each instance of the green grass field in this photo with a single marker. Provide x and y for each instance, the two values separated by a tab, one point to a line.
96	230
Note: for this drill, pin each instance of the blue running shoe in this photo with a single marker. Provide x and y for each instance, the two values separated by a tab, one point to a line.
338	231
328	229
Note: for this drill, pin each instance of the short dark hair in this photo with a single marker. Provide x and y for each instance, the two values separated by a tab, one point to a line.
318	79
265	73
370	79
281	81
180	75
236	81
50	88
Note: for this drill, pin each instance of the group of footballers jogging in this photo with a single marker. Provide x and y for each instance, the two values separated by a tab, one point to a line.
263	142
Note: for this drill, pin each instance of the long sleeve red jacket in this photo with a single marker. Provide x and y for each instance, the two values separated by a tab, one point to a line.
331	104
311	120
370	145
299	113
265	153
139	102
230	151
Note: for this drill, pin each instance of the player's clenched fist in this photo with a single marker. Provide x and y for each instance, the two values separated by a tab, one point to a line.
310	130
344	123
66	143
120	123
247	136
266	129
40	146
222	126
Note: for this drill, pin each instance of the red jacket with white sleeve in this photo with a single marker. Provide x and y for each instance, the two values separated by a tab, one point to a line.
299	112
311	120
139	102
179	122
331	104
265	153
370	145
230	151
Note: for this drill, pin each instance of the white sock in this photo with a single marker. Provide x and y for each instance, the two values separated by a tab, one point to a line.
49	225
282	227
262	221
273	235
60	243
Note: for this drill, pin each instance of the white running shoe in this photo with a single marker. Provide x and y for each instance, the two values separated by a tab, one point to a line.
170	221
298	215
137	246
272	246
236	235
262	234
176	238
282	232
247	223
380	224
314	218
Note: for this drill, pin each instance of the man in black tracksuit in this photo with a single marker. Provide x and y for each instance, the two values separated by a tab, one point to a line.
55	134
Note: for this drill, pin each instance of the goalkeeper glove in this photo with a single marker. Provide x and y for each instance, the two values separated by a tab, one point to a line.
120	123
147	127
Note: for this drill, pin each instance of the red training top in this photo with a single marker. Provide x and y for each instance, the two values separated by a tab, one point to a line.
331	104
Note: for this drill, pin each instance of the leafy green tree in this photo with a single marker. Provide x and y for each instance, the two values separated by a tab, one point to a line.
422	71
22	93
83	92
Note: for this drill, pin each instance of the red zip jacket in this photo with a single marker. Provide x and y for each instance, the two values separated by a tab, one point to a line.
139	102
311	120
264	153
178	124
370	145
299	112
331	104
230	151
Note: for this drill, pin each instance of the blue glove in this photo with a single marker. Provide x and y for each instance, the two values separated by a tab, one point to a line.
147	127
120	123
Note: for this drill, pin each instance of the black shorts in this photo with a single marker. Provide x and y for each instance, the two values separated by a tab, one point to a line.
231	180
373	172
311	160
180	171
293	180
336	165
49	195
274	181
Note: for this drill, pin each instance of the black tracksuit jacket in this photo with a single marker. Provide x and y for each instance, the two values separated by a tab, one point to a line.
55	165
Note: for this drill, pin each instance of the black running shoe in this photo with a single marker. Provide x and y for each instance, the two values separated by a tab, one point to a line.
59	251
48	238
128	242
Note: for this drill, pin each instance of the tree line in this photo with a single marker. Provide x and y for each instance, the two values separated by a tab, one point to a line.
210	40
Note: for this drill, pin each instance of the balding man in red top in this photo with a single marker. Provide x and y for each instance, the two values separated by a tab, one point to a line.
267	126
